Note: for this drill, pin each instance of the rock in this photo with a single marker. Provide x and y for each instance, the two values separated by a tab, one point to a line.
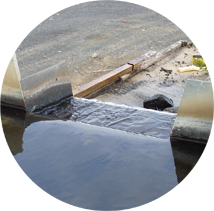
158	102
94	55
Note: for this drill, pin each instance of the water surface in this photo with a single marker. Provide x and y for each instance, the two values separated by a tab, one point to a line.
94	167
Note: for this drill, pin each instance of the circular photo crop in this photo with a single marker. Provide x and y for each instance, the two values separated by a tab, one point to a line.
107	105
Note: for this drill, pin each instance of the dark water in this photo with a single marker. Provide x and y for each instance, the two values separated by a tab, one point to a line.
94	167
186	154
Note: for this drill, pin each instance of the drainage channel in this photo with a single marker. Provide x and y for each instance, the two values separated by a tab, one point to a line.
99	156
92	154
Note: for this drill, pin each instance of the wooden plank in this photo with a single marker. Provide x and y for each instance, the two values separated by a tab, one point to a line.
92	86
143	60
171	49
153	57
95	87
104	88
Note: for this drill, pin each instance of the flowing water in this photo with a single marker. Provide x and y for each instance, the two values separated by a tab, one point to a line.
95	167
132	119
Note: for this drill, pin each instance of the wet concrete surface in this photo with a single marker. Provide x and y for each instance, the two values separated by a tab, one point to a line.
130	119
93	39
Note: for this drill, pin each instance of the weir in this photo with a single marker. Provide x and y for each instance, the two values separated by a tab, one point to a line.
49	92
36	91
76	149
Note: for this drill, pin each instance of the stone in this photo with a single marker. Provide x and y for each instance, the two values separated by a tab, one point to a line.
158	102
94	55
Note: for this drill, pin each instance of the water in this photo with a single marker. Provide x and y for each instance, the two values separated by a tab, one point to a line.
93	167
132	119
186	154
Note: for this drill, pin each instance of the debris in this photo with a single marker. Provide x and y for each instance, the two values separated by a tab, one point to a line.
158	102
198	61
165	70
149	75
94	55
190	68
189	45
179	84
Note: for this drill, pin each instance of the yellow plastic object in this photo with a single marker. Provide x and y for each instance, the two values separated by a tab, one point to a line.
190	68
197	60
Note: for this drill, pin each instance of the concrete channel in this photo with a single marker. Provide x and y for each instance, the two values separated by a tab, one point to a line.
46	122
51	86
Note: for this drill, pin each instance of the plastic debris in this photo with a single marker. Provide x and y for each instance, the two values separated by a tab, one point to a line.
190	68
197	60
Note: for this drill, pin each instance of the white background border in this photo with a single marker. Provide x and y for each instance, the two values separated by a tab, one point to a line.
19	17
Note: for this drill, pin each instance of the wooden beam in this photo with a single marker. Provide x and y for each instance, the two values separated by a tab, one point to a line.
110	77
95	87
143	60
104	88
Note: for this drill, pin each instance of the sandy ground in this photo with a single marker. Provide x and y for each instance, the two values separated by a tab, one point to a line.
154	81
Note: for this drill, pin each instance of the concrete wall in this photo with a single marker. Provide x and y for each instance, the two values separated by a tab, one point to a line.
36	91
11	89
195	115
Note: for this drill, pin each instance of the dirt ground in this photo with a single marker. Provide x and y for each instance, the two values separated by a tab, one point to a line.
93	39
96	67
155	81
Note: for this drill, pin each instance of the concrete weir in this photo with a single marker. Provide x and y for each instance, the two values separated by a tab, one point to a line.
195	115
46	90
38	90
11	92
